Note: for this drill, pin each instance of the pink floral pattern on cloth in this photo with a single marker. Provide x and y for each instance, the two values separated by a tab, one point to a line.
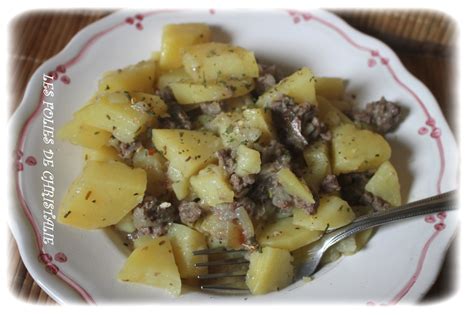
59	73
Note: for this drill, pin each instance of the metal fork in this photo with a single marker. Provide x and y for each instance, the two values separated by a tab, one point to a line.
307	258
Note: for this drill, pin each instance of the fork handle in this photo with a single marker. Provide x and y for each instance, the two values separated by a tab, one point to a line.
443	202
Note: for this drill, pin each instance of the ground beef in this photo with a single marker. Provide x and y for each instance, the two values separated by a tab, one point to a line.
382	115
153	217
240	184
299	122
226	159
264	83
211	108
177	119
273	152
125	150
353	186
377	203
189	212
330	184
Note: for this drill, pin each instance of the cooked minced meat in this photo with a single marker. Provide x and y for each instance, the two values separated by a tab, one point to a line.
353	186
240	184
299	122
267	187
211	108
264	82
382	115
153	217
330	184
125	150
377	203
177	119
189	212
273	152
226	158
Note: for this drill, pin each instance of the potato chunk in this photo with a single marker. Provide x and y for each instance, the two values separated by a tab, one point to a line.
261	119
105	153
316	156
184	241
384	184
173	76
153	264
356	150
80	133
331	115
333	212
192	93
299	86
123	114
293	186
102	195
187	151
269	270
154	165
211	62
211	186
126	224
248	161
285	235
135	78
331	88
234	130
220	233
177	37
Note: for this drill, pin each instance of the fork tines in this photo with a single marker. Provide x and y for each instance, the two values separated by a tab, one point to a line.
223	288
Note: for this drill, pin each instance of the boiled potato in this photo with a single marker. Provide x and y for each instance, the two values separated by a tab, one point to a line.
80	133
177	37
330	115
248	161
153	264
293	186
286	235
299	86
105	153
102	195
269	270
136	78
233	129
356	150
173	76
212	186
188	151
385	184
220	233
212	62
122	114
347	246
192	93
154	165
333	212
331	88
126	224
185	241
261	119
317	158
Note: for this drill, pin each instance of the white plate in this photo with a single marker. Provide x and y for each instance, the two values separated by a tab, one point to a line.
399	264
